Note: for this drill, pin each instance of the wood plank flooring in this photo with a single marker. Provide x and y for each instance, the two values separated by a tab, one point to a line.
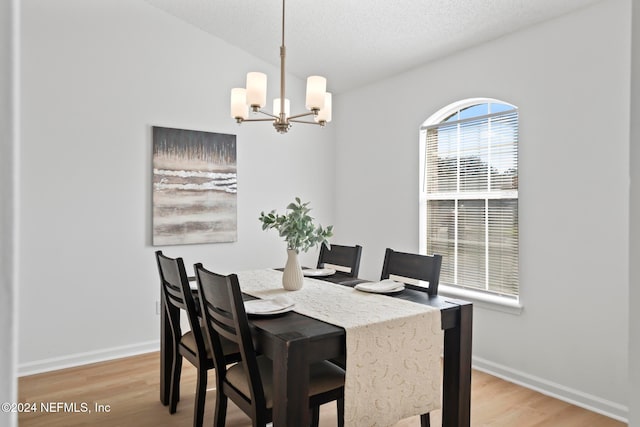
130	388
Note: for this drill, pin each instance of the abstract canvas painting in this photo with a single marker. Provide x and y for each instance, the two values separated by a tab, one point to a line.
194	187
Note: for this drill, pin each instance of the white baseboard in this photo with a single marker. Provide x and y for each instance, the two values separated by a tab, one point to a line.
79	359
575	397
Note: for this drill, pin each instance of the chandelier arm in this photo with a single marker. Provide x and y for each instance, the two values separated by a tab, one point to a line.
306	122
266	113
256	120
311	113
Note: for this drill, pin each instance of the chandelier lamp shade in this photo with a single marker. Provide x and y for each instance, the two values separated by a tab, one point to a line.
249	101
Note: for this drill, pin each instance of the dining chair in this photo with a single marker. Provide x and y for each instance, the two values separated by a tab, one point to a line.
345	258
409	268
191	345
249	383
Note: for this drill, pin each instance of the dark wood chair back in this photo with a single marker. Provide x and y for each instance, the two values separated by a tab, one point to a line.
413	266
343	256
223	311
177	295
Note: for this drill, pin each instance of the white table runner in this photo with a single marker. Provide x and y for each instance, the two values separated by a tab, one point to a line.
393	346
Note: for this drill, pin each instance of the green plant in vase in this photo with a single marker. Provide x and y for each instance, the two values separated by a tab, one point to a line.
301	234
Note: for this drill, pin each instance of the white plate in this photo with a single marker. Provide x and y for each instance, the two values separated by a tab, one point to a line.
270	313
318	272
384	287
267	307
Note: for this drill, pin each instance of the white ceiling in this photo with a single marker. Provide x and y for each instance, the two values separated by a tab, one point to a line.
355	42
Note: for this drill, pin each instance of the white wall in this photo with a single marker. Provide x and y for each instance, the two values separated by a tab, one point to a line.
8	118
634	253
570	79
96	75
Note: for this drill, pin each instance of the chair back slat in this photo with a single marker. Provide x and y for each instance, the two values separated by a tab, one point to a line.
174	296
224	322
413	266
222	305
342	256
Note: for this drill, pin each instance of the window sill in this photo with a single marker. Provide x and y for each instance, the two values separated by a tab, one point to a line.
480	299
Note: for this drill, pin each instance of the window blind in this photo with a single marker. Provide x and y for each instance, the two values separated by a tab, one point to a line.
471	195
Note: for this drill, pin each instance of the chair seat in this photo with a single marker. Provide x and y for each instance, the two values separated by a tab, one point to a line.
324	376
189	342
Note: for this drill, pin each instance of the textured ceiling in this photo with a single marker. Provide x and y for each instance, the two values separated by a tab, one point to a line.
355	42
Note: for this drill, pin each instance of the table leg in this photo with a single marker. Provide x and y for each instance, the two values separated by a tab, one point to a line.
291	381
456	396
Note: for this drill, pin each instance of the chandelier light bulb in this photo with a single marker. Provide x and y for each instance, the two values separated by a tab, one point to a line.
316	89
256	89
324	115
239	109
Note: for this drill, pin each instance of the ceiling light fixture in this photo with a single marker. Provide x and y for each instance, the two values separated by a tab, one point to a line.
254	97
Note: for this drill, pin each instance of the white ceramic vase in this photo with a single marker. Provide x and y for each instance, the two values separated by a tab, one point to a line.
292	277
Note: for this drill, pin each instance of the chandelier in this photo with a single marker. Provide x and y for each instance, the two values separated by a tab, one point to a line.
254	96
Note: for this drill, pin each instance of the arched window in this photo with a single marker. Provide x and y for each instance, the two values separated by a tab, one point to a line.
469	194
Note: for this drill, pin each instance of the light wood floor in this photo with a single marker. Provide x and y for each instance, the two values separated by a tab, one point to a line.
131	388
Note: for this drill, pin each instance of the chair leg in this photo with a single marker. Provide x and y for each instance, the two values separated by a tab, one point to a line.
201	394
315	416
340	404
425	420
220	414
179	365
174	394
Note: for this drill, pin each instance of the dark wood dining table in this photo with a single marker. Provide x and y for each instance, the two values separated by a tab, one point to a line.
294	341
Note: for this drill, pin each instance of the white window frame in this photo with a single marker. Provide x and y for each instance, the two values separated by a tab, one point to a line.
488	300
